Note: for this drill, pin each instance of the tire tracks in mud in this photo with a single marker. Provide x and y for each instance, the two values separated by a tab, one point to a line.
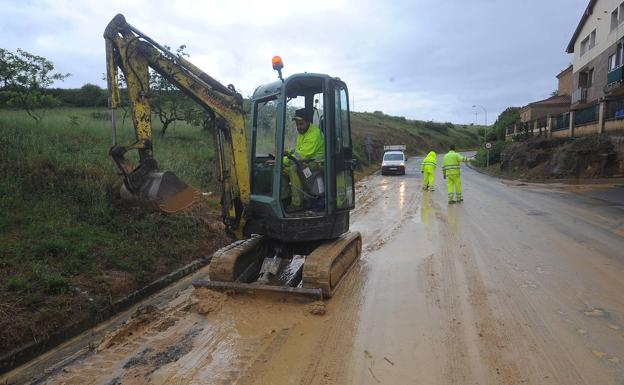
476	342
375	234
180	346
459	368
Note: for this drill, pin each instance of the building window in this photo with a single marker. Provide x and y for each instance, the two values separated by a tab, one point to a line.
621	12
584	45
590	77
586	78
592	39
583	79
588	43
614	19
612	62
616	60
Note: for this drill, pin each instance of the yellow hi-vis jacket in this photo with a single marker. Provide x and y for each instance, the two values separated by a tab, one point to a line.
450	163
310	145
429	163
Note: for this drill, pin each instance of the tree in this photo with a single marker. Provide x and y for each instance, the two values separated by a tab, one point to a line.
171	105
508	117
23	80
91	95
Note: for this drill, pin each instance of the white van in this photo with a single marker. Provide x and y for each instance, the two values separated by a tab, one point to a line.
393	160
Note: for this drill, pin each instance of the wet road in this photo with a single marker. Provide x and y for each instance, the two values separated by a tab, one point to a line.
520	284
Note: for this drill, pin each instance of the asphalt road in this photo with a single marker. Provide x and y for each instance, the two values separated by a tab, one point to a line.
520	284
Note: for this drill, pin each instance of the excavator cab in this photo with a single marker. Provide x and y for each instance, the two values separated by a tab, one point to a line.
325	185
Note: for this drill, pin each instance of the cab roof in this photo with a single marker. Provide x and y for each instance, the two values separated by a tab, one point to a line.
295	83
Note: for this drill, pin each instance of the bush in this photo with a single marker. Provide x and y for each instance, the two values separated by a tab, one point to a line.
18	283
99	115
55	284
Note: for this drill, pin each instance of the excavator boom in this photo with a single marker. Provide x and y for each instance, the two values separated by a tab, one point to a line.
135	53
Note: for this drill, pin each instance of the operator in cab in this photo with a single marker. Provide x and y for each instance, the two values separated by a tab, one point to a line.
309	152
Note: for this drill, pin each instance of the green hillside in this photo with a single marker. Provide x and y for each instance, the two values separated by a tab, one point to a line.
419	136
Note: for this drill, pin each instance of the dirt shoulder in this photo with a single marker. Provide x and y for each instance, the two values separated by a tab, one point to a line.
608	190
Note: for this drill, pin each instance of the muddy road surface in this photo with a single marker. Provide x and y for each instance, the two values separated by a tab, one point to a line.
520	284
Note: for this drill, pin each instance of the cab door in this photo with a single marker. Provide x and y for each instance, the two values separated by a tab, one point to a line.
342	148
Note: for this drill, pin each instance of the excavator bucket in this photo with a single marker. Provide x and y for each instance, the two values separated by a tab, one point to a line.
167	190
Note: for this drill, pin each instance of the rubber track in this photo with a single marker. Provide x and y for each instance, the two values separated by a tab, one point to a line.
227	261
327	264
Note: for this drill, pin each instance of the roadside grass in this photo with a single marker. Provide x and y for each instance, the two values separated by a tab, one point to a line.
68	244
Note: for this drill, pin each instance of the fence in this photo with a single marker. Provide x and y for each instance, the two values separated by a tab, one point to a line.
560	122
586	115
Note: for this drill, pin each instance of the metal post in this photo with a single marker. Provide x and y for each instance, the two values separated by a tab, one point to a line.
535	126
485	128
487	161
548	126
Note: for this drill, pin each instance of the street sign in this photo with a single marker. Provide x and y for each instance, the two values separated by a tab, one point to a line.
488	147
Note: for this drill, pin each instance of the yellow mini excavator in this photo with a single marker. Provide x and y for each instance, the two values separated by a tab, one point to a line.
307	251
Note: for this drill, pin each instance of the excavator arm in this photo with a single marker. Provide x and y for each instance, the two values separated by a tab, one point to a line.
135	53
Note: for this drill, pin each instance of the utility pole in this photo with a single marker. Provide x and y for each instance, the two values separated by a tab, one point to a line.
485	111
369	149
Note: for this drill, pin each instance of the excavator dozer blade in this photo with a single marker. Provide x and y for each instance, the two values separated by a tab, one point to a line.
315	294
165	189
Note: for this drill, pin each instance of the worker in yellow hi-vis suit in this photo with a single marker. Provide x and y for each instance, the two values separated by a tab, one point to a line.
310	148
427	168
451	171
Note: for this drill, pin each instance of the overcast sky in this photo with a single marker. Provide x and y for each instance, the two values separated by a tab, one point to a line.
423	59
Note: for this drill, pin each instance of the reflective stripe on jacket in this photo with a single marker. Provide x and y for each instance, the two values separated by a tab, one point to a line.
450	163
429	163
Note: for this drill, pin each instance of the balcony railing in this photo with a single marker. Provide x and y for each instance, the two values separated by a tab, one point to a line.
615	75
579	95
614	79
